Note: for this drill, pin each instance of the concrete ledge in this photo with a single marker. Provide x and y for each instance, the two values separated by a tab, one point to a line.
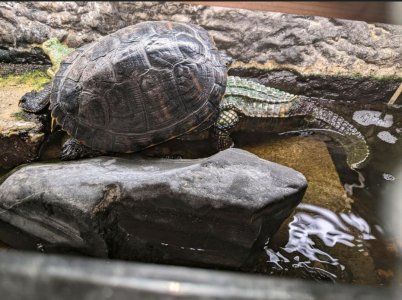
40	276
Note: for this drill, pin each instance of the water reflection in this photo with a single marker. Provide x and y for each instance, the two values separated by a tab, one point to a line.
388	177
311	224
387	137
370	117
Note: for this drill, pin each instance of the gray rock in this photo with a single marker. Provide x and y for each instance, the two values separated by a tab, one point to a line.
213	211
364	90
268	37
257	40
21	135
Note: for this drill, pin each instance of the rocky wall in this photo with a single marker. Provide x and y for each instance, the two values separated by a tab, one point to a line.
260	42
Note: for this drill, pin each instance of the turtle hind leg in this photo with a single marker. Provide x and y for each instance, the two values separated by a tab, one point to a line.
221	130
36	101
221	140
73	149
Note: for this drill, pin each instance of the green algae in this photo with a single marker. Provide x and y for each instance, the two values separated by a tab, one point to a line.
36	79
56	52
20	115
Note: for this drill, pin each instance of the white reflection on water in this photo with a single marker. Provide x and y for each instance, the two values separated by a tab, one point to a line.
387	137
325	225
388	177
370	117
359	224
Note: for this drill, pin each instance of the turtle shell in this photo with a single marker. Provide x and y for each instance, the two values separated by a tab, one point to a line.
139	86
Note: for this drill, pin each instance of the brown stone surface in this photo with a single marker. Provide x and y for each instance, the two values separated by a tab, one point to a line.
19	137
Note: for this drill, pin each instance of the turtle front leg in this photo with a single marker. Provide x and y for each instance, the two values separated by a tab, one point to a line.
73	149
221	130
36	101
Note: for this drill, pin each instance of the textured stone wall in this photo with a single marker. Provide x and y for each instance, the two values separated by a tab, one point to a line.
261	39
257	40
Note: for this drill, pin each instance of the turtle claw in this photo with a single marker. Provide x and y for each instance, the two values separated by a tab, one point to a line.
73	149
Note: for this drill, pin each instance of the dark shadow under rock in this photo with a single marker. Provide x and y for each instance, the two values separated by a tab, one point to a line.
34	56
215	211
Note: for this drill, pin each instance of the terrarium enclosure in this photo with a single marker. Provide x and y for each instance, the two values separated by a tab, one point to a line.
168	143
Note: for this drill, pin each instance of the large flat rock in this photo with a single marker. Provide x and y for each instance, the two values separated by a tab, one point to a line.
216	210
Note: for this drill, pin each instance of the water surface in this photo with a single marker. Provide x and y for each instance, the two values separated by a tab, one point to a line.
342	230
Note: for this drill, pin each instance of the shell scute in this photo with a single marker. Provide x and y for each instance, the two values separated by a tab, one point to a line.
70	125
191	48
103	47
140	86
71	92
102	139
71	57
85	132
93	110
162	52
79	66
128	60
129	35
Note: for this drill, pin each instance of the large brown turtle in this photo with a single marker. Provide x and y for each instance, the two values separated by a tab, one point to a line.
135	88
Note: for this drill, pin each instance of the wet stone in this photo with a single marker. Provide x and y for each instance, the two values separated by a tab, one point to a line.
214	211
21	133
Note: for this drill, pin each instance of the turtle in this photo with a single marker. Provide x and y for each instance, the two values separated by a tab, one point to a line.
135	88
233	98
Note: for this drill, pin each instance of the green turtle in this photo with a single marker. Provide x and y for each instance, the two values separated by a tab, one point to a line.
172	65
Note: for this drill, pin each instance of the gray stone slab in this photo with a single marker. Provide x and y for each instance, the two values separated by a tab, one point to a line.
216	210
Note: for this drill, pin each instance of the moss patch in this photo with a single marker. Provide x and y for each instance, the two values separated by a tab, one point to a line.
36	79
20	115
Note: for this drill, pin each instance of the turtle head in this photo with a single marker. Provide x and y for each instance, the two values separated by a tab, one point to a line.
226	59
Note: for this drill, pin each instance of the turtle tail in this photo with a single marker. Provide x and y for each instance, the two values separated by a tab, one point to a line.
322	120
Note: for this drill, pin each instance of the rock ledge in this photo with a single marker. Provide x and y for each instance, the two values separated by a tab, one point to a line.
213	211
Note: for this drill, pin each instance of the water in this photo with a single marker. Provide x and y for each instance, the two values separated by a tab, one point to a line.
342	231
